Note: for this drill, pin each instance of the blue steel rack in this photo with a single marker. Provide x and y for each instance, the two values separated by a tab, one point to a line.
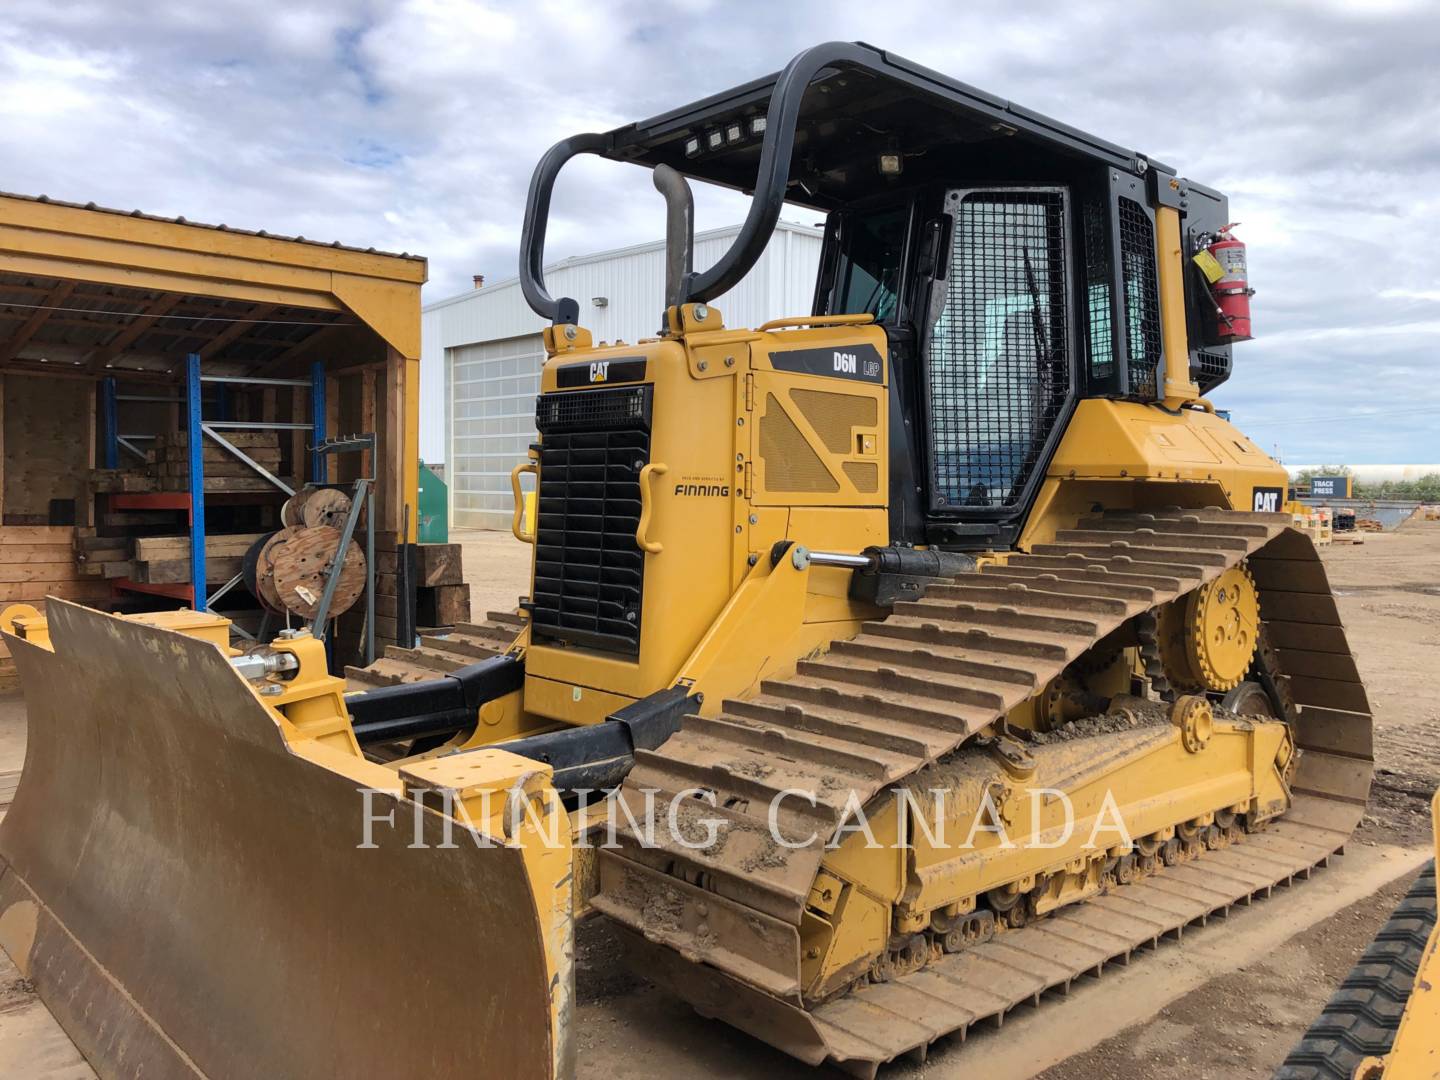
198	429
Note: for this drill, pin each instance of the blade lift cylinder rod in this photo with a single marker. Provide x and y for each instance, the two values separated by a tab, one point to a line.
803	557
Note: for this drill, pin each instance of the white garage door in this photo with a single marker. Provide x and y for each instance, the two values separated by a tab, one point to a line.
492	424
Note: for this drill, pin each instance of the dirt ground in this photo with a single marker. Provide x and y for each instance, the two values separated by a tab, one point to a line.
496	566
1228	1001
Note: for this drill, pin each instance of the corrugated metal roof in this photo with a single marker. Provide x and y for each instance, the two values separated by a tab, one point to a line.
261	233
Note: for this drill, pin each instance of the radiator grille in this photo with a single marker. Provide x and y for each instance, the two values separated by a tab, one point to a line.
789	461
1210	370
999	369
836	416
1142	300
589	571
589	410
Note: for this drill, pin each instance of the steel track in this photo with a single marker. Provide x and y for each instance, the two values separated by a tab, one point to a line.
720	926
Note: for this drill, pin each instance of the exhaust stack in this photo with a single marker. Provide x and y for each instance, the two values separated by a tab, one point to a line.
679	233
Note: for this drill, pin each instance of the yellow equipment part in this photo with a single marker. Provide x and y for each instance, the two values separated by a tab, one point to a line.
203	876
1066	843
1211	635
1415	1054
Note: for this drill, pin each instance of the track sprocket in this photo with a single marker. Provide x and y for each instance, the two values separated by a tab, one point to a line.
1208	638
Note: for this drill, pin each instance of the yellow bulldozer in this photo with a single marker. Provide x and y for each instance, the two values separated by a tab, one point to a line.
883	668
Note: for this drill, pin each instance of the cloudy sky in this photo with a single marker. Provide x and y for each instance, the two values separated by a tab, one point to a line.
414	125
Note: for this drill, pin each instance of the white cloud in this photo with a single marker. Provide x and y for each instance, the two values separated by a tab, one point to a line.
414	125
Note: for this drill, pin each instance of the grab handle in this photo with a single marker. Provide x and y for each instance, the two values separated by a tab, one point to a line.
642	529
857	319
517	525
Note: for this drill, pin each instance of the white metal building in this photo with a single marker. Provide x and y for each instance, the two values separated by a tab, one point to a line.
487	342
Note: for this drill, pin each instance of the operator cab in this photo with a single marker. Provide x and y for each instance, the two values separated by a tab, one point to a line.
1011	260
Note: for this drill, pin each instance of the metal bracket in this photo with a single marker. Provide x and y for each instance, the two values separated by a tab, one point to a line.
247	459
1167	189
332	579
124	443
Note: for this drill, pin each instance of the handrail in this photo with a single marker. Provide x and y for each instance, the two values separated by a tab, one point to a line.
771	184
859	318
537	217
642	528
517	523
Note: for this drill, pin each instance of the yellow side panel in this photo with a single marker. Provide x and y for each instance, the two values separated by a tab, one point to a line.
1123	455
577	704
819	426
1125	439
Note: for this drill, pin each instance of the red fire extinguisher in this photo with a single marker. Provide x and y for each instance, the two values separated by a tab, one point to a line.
1221	259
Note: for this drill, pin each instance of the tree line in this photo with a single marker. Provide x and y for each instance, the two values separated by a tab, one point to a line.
1424	489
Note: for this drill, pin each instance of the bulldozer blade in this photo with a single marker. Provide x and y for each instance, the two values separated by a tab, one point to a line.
190	893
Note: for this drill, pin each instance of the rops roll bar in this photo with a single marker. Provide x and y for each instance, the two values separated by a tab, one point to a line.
771	183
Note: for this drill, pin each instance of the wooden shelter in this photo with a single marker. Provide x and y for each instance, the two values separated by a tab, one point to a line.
99	312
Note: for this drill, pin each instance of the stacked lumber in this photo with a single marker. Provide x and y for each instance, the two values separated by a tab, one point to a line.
37	561
158	560
165	560
439	654
167	467
441	596
102	556
121	481
169	461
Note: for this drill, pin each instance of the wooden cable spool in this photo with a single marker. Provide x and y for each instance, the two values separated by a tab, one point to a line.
325	506
264	573
302	565
292	513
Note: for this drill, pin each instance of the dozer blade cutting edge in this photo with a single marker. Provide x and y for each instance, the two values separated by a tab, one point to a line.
184	883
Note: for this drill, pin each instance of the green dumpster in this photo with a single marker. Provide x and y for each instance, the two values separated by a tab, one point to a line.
434	508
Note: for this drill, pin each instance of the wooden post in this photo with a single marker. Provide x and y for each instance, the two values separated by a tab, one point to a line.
392	454
2	446
367	416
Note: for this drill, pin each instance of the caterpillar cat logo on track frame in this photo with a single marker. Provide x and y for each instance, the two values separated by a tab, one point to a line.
978	531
